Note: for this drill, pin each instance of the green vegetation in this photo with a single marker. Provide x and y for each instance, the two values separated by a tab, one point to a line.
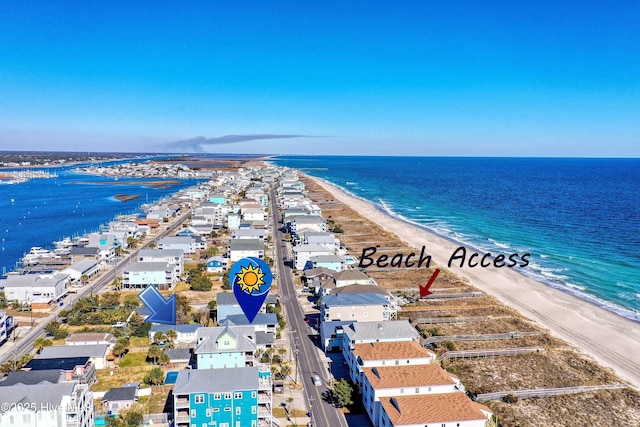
103	310
154	377
41	343
133	359
56	330
343	392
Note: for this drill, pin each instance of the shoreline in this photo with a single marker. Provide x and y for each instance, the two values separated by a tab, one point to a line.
611	339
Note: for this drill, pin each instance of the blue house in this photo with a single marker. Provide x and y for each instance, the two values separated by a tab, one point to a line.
216	264
223	397
224	347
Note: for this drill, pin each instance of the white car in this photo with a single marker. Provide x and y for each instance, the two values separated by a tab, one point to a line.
316	380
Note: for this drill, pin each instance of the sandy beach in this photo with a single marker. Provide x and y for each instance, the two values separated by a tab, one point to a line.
612	340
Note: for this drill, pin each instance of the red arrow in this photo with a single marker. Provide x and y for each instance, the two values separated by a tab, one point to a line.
424	290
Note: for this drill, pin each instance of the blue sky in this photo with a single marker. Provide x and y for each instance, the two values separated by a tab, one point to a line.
371	77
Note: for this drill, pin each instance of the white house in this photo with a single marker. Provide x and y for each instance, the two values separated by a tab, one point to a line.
406	380
303	253
137	275
254	214
449	410
185	334
250	233
169	256
368	332
97	353
27	287
186	244
54	405
242	248
390	353
86	266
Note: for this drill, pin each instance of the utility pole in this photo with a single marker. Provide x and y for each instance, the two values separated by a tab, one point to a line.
296	353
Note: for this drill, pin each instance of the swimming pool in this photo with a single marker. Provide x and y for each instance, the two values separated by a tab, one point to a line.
171	377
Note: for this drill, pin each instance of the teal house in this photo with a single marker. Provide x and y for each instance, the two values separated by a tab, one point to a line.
218	198
232	397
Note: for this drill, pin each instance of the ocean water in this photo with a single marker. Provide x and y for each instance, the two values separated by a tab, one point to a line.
41	211
578	218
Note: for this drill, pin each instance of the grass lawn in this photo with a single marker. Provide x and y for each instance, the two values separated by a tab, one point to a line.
133	359
279	412
139	342
106	381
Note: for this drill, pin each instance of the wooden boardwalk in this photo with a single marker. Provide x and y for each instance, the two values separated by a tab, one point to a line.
482	337
545	392
436	320
469	354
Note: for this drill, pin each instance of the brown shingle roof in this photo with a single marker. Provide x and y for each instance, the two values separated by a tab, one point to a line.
432	408
408	376
391	350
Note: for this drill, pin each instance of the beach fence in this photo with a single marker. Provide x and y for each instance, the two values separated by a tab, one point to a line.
482	337
469	354
545	392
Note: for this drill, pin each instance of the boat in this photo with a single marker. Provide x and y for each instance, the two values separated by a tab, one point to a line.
35	254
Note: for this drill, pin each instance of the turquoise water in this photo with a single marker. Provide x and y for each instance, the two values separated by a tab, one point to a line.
171	377
578	218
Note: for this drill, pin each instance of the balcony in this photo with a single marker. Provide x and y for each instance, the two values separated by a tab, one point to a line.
182	402
182	419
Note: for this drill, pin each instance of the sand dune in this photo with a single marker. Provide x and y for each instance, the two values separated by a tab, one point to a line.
612	340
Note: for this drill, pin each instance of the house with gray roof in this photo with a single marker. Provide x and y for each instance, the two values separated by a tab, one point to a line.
243	248
50	376
29	287
119	398
227	346
264	322
53	405
359	307
211	396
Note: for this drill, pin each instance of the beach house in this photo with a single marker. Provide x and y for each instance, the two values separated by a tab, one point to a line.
53	405
389	353
170	256
223	347
223	397
389	381
447	409
303	253
357	307
28	287
137	275
243	248
186	244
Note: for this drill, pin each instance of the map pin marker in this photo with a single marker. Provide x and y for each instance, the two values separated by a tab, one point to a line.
250	279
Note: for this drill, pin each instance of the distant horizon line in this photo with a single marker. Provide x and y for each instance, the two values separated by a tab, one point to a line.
267	156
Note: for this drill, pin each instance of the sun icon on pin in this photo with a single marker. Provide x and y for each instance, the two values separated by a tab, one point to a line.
250	278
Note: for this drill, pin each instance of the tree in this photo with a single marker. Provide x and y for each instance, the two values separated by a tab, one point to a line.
60	334
171	335
139	328
164	359
154	377
152	245
52	326
154	353
110	300
201	283
132	242
284	371
119	349
84	279
212	251
133	418
158	337
343	393
41	343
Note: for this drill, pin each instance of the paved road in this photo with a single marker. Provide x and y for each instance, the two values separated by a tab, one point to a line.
25	344
323	413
